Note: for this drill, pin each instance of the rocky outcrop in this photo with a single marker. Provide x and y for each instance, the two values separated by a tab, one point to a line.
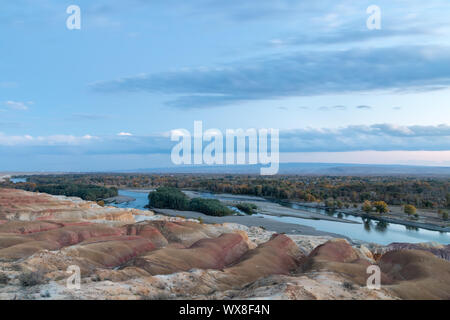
417	274
185	232
171	258
19	240
279	255
439	250
214	253
28	206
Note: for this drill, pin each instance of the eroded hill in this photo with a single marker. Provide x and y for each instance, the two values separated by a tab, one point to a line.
43	236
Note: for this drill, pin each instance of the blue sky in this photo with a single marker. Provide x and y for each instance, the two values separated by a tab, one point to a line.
337	91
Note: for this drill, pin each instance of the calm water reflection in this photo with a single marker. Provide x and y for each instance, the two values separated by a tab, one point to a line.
369	230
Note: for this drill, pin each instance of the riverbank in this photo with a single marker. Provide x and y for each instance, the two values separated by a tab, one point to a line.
269	208
426	220
386	217
362	231
119	199
251	221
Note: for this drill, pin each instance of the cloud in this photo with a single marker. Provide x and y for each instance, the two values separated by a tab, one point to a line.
364	107
53	140
126	134
298	74
17	105
86	116
377	137
353	32
340	108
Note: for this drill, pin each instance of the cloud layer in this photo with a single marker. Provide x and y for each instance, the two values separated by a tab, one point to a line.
380	137
297	74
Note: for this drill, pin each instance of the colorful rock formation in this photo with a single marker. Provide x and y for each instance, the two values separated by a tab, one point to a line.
176	258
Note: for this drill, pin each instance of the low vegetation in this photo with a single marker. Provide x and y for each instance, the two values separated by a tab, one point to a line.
211	207
83	191
3	279
168	198
30	279
410	210
248	208
335	192
173	198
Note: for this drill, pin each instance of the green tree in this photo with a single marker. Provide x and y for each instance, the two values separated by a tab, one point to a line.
444	214
168	198
248	208
211	207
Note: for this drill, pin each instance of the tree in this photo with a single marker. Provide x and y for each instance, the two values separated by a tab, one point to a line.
210	207
329	203
410	209
367	206
168	198
444	214
248	208
381	206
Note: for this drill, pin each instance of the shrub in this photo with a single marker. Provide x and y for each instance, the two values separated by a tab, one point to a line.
348	285
248	208
381	206
30	279
367	206
168	198
329	203
4	278
211	207
410	209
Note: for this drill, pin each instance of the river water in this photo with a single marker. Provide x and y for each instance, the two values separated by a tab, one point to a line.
368	230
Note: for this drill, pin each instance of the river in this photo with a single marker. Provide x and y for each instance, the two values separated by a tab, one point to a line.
369	230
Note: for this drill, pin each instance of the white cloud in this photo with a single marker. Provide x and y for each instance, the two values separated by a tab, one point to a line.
17	105
54	140
377	137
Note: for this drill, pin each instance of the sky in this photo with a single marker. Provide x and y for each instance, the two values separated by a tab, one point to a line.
107	95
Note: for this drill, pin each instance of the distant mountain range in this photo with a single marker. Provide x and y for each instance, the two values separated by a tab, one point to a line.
333	169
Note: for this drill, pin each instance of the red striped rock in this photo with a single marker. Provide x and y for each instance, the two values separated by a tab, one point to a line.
110	252
417	274
148	232
204	254
279	255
